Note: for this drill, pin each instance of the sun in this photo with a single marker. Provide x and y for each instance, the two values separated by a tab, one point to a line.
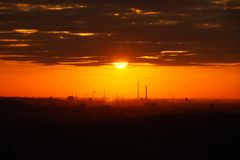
120	65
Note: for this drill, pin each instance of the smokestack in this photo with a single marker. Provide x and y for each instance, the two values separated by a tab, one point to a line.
146	92
138	90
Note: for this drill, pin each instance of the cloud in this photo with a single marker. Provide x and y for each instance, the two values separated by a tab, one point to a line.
16	45
219	64
208	26
83	34
163	32
149	57
26	31
173	52
13	40
26	7
141	12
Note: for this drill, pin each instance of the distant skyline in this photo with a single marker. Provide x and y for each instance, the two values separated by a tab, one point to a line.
33	80
187	48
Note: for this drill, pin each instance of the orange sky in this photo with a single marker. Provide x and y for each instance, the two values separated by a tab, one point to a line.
35	80
60	48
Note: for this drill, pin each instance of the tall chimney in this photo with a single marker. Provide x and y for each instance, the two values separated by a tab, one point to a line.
146	92
138	90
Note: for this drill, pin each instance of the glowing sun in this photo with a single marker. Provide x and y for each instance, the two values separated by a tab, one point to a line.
120	65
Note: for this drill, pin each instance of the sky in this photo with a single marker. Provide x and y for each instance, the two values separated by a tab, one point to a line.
176	47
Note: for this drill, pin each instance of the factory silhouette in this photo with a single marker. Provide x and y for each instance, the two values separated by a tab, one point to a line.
117	97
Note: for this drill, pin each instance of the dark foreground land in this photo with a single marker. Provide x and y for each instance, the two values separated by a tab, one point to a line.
176	130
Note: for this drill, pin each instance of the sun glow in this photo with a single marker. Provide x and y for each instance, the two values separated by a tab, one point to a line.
120	65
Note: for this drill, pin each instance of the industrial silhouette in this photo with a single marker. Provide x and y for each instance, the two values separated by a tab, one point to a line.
117	97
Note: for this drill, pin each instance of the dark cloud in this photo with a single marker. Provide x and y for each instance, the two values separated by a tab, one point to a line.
57	31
